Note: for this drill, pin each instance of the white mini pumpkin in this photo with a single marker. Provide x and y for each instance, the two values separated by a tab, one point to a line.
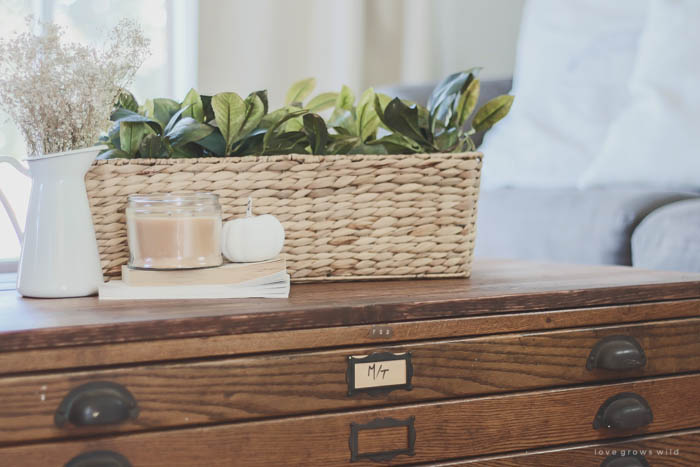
252	238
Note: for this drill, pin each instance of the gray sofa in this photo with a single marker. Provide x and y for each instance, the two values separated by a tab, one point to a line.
643	227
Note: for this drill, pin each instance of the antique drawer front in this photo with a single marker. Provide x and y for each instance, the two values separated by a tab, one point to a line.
300	383
409	434
667	450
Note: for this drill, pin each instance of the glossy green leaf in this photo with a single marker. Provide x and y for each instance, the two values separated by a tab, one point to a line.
272	134
466	104
173	120
295	124
442	100
346	99
405	120
321	102
124	115
316	132
344	103
214	143
230	111
254	113
492	112
367	118
127	101
131	134
208	110
163	110
368	148
292	142
448	140
194	105
341	143
344	122
152	146
186	151
262	94
300	91
398	144
188	130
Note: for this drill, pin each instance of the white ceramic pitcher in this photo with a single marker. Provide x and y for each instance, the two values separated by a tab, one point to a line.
59	251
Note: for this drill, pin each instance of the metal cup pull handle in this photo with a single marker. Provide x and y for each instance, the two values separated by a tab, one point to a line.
616	353
98	403
624	411
99	459
625	461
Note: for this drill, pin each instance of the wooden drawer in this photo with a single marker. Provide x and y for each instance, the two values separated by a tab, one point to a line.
678	449
176	395
418	433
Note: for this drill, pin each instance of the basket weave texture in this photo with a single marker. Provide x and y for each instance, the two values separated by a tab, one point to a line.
346	217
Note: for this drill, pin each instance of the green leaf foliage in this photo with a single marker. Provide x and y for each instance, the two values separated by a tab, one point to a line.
207	108
228	125
442	101
367	118
163	110
130	136
300	91
188	130
321	102
254	113
316	133
193	106
466	104
174	119
215	144
406	121
493	111
127	101
124	115
274	140
152	146
230	111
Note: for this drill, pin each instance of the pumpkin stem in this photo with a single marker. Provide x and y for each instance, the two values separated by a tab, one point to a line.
249	208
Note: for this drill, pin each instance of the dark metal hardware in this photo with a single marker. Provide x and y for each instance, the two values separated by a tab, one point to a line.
617	353
624	411
625	461
377	423
99	459
373	358
98	403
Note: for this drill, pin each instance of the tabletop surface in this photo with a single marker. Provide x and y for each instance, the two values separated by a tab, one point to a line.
496	286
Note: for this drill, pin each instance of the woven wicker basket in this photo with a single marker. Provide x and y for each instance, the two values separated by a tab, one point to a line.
346	217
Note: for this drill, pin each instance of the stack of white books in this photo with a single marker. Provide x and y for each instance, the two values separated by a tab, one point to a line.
266	279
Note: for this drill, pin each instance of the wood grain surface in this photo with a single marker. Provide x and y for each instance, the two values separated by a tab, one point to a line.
444	430
495	287
183	394
381	334
677	449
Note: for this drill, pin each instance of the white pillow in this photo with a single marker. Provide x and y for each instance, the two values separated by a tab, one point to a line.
655	141
574	61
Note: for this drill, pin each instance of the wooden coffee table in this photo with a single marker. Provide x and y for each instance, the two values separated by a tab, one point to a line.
524	364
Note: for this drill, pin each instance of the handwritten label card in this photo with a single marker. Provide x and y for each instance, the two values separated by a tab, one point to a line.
382	373
379	371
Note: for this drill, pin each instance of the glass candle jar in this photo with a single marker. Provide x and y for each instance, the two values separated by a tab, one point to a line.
176	231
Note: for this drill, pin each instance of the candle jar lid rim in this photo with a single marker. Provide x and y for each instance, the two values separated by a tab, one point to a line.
174	199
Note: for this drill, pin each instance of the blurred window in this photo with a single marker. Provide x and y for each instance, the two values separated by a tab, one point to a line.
89	21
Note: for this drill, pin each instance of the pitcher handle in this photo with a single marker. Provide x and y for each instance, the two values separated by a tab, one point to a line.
4	201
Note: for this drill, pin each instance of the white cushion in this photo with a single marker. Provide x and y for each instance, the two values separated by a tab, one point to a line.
573	64
655	141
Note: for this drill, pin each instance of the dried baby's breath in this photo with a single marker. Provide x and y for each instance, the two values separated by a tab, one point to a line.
59	93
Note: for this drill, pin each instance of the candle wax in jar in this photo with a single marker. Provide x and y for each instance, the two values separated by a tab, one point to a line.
178	242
